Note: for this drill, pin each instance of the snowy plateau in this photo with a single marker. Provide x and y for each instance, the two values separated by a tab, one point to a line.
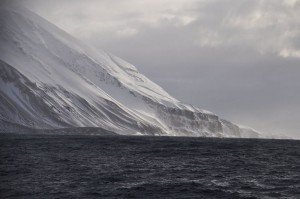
50	80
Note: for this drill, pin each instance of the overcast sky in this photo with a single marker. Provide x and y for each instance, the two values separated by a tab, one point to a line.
237	58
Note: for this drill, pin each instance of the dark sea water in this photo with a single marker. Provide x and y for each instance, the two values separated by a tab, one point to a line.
60	166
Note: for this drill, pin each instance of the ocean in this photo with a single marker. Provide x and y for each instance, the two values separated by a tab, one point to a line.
86	166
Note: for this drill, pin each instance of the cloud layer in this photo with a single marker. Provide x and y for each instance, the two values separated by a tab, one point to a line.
239	59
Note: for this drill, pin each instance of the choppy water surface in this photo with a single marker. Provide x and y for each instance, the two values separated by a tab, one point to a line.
147	167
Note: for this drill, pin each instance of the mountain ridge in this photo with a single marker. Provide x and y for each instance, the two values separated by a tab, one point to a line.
52	80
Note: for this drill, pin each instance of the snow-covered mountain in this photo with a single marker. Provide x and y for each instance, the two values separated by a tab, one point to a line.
51	80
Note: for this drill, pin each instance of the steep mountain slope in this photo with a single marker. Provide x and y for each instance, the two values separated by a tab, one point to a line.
51	80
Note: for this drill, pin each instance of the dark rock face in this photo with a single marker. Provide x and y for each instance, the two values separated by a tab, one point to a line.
31	110
193	123
37	109
40	111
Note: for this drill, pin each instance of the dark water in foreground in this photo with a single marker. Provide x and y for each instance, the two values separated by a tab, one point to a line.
147	167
